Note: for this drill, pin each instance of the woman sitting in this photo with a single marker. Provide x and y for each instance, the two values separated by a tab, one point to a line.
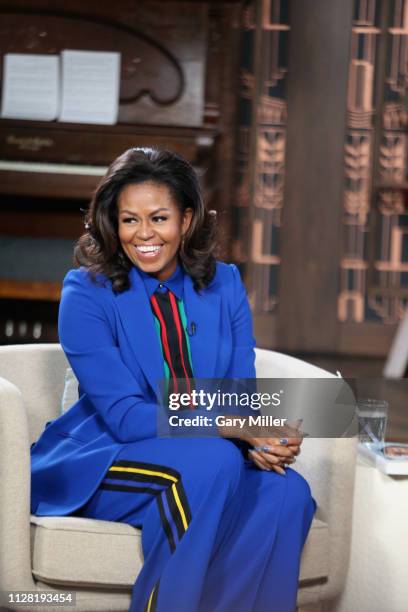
222	528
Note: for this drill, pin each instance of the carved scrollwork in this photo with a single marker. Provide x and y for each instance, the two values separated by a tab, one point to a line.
148	68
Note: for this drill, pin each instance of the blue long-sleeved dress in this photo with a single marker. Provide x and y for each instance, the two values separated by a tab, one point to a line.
218	534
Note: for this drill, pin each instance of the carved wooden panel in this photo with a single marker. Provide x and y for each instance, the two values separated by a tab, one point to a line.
162	46
374	266
261	152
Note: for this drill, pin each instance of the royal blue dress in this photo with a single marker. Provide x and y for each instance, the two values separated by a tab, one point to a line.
218	534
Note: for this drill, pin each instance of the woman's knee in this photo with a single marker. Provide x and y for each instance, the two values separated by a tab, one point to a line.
222	458
299	487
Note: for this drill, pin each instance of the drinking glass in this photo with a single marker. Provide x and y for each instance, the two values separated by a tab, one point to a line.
372	422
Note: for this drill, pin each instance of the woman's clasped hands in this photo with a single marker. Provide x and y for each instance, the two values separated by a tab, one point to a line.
274	454
274	449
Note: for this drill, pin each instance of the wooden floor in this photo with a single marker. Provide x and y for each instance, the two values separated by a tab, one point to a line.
368	373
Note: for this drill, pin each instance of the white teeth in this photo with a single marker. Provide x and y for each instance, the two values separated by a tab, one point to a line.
148	249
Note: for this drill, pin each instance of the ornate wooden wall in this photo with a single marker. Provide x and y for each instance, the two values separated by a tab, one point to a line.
374	266
321	223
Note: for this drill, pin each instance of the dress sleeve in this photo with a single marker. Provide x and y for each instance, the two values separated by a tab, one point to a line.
87	338
242	364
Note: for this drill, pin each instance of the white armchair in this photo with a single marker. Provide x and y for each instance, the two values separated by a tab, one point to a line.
100	559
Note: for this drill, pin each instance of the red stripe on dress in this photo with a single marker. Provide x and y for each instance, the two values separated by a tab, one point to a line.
179	332
164	338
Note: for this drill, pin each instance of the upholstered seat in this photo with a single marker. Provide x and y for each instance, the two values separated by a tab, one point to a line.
65	548
100	560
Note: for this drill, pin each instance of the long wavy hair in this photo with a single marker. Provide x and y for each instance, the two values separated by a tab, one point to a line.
99	248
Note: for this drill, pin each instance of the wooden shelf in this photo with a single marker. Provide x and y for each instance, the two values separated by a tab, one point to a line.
30	290
18	183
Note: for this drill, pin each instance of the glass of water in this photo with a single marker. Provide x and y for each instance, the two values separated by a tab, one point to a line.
372	422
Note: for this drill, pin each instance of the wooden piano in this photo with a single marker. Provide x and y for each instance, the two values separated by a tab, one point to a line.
178	90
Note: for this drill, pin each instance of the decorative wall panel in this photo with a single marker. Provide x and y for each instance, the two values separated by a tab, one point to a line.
374	267
261	158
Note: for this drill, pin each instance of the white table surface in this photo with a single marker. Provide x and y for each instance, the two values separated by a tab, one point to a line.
377	579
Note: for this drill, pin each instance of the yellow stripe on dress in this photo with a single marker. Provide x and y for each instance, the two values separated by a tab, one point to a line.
149	605
180	506
163	475
142	471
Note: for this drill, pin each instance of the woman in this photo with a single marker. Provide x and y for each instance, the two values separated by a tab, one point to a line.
222	529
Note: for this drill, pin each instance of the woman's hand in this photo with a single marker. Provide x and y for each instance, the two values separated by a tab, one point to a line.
273	454
273	447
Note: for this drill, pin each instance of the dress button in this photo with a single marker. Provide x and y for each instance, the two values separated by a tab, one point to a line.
161	286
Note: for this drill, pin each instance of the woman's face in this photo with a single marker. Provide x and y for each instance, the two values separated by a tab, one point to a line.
150	227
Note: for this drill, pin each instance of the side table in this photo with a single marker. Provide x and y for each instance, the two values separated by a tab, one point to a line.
377	579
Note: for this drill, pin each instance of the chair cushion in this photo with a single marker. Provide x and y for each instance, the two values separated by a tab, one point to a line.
64	550
86	552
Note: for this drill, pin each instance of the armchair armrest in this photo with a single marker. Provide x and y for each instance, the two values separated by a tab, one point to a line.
15	559
329	465
38	371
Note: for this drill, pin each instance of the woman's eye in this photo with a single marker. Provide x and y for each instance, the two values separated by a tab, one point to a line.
156	219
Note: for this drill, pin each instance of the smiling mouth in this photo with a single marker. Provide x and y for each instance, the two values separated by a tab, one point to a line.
148	250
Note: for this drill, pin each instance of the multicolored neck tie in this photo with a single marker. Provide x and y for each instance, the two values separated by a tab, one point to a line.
174	341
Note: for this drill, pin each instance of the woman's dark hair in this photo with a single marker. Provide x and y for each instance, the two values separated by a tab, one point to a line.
99	248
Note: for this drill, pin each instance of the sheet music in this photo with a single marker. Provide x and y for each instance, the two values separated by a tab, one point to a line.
30	86
90	87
